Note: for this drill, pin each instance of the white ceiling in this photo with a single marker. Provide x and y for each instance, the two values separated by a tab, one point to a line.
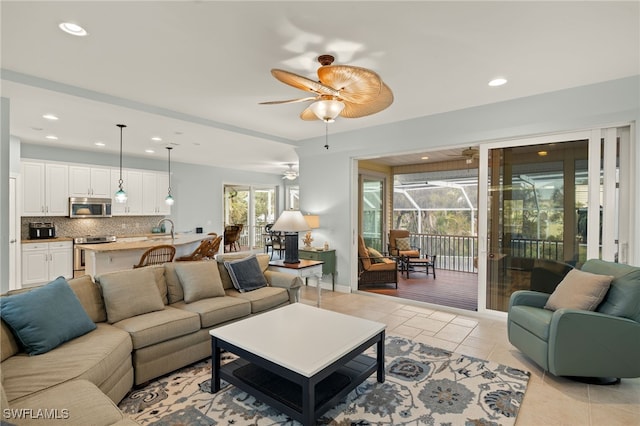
193	72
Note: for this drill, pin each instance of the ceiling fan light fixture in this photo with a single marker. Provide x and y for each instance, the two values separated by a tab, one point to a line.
327	109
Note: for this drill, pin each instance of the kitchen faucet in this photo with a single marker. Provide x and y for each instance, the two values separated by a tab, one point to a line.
172	226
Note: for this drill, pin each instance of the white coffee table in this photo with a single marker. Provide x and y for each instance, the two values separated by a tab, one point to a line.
298	359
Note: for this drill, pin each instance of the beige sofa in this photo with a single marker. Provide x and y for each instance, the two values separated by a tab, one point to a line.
150	321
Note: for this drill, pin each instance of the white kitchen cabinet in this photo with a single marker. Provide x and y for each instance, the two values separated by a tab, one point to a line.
89	182
132	185
44	189
155	187
44	262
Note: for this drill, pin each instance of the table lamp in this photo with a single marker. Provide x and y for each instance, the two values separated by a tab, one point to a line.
291	222
313	220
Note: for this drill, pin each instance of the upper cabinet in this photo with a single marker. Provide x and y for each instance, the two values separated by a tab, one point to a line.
132	185
89	182
45	189
155	187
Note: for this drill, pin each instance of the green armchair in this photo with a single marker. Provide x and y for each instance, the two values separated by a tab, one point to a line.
603	344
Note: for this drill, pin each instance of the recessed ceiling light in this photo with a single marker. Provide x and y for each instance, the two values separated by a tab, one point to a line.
50	117
149	151
497	82
73	29
156	138
52	137
99	143
425	157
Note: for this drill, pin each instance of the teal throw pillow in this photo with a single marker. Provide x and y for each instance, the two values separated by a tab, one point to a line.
246	274
46	317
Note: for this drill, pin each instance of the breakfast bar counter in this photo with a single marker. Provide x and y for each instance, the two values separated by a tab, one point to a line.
122	255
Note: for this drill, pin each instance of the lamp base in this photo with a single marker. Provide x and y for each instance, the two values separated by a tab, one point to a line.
291	248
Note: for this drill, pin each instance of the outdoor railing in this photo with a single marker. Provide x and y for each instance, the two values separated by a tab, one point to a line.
453	252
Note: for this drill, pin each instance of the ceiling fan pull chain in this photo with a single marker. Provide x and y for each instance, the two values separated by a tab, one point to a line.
326	135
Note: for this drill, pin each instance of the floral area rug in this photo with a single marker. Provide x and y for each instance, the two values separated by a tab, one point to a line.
424	385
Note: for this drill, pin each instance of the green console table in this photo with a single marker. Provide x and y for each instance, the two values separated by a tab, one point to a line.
326	256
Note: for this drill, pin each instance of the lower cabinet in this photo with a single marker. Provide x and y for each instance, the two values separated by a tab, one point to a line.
44	262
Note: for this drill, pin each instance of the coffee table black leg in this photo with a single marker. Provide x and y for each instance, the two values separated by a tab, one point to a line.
308	403
215	365
380	358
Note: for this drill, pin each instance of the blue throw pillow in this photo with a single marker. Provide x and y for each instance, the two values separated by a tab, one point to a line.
246	274
45	317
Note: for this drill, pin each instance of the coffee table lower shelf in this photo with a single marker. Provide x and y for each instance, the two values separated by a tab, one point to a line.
286	395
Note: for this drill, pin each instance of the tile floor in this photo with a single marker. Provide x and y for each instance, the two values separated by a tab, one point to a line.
549	400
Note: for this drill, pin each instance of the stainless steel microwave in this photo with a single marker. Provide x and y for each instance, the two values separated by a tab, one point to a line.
89	207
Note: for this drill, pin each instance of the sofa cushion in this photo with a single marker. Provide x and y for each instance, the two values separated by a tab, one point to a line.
159	326
246	274
174	289
94	357
77	402
46	317
579	290
533	319
263	299
224	273
199	280
8	344
217	310
130	293
89	295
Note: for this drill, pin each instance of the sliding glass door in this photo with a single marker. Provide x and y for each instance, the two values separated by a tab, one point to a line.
252	207
372	220
551	201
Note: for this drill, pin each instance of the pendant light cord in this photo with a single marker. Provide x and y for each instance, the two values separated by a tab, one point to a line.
120	181
169	149
326	134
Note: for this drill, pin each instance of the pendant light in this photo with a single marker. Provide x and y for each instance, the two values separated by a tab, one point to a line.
121	196
169	199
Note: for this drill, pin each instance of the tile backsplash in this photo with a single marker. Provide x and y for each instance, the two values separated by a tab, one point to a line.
117	225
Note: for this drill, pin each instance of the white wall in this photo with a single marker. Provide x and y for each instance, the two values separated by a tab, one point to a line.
325	173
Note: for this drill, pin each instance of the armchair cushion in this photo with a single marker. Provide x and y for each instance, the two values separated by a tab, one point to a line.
375	255
623	298
403	244
579	290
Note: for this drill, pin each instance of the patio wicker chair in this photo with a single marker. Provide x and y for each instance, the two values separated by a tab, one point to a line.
374	269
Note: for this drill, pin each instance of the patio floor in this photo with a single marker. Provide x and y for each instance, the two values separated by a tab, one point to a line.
450	288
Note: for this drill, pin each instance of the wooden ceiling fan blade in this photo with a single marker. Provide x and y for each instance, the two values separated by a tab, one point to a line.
355	84
355	110
289	101
303	83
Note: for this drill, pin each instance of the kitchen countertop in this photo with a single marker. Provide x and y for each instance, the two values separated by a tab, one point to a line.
155	240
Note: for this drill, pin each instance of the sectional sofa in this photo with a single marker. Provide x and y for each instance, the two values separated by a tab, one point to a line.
142	323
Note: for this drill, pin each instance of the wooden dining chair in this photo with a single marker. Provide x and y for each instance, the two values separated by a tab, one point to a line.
157	255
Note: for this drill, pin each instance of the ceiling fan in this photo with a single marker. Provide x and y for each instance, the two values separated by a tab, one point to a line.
469	154
344	90
290	174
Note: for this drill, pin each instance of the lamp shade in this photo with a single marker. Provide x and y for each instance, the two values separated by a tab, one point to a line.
327	109
313	220
291	221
